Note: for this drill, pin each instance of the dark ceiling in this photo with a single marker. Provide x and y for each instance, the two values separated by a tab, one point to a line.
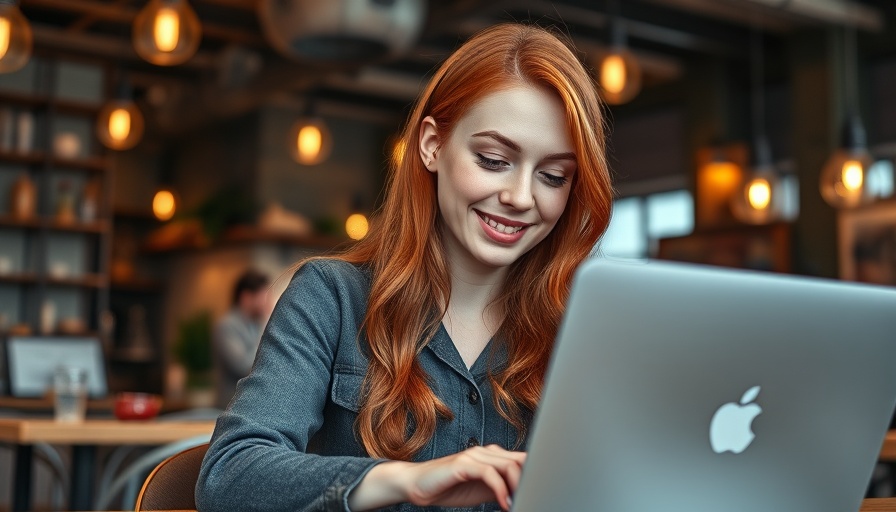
236	69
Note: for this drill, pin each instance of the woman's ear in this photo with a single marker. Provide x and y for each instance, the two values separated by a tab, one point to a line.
429	144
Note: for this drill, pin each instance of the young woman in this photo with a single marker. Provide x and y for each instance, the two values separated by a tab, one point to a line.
405	371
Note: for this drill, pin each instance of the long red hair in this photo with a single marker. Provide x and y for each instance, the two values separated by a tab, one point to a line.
410	281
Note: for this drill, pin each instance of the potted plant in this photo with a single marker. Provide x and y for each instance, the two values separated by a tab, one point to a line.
193	350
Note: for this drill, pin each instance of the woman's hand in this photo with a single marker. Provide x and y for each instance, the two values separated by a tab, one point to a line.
473	476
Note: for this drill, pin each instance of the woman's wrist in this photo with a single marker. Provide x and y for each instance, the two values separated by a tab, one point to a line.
385	484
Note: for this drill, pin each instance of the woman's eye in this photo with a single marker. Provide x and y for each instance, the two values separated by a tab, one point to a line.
554	180
488	163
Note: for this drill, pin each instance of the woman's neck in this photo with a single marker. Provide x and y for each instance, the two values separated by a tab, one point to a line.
472	317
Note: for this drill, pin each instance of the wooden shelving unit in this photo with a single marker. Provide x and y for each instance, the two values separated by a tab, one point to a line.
51	258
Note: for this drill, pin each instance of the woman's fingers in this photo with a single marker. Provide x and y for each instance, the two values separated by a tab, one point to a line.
508	464
469	477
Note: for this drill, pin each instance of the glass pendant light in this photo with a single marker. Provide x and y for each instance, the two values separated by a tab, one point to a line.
15	37
758	197
164	204
843	181
119	124
309	140
167	32
619	73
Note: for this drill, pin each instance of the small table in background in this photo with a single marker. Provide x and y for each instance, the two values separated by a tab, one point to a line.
84	438
879	505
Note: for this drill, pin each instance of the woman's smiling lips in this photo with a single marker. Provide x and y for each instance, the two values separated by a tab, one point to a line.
501	229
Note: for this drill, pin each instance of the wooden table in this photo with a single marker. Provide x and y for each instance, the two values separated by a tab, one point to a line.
879	505
888	450
84	438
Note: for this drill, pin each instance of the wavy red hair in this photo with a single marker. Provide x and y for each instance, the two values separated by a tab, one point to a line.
410	281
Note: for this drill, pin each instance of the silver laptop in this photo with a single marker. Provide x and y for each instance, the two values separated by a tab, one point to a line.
686	388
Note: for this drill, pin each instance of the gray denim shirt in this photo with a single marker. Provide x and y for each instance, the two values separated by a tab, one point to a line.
287	440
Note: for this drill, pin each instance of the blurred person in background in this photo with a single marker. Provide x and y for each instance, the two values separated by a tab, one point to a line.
237	334
404	372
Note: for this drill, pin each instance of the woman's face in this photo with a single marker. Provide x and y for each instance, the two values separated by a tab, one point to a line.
503	175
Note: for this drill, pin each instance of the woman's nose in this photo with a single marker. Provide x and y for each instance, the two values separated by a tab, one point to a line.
517	191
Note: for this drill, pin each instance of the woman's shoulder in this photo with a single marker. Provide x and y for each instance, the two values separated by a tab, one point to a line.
340	276
334	269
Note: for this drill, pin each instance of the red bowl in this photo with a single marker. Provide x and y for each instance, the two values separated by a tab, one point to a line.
137	406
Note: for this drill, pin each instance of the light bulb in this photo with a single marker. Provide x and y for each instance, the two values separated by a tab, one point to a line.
852	175
164	205
309	141
16	38
166	29
166	32
119	125
356	226
843	183
620	76
612	74
5	29
759	193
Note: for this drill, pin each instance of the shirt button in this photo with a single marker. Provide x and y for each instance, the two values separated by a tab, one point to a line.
471	442
474	397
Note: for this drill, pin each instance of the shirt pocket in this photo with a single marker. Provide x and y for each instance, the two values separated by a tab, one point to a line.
347	384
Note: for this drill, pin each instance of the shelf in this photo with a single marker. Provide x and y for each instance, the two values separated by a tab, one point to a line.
240	236
30	158
95	164
83	281
30	278
19	278
96	227
20	99
136	285
75	107
62	105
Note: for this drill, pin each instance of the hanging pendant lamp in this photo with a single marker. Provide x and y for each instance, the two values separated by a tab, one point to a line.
119	124
758	198
166	32
843	182
309	141
619	73
16	37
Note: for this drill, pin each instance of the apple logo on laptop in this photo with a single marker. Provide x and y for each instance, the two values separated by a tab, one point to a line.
730	429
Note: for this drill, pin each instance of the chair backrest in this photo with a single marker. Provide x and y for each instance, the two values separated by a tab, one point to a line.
172	484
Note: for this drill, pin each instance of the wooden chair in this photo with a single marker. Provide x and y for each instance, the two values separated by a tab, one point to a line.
172	484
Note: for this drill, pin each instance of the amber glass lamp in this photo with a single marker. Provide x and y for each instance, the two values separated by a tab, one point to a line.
120	124
619	76
166	32
618	72
309	141
843	181
164	204
15	37
757	199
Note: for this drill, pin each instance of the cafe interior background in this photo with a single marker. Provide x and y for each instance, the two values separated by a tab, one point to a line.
150	151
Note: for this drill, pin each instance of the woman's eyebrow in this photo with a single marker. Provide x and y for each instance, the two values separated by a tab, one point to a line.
561	156
492	134
499	138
